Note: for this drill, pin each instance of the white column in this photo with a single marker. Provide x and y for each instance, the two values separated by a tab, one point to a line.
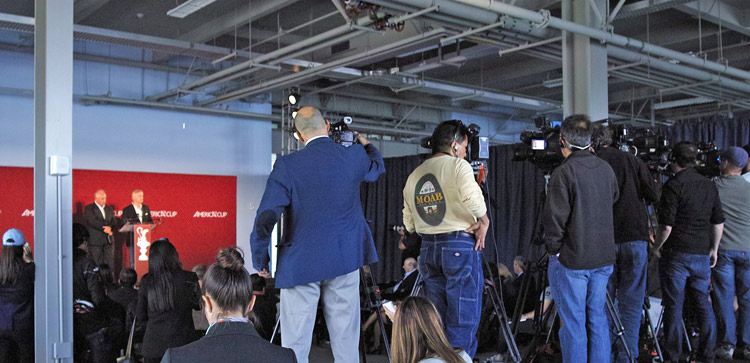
53	148
584	63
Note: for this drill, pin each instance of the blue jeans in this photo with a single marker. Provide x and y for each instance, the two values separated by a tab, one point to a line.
679	271
627	286
731	277
453	281
581	297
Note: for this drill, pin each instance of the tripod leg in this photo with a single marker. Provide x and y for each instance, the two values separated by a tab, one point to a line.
510	341
652	330
687	339
276	328
619	330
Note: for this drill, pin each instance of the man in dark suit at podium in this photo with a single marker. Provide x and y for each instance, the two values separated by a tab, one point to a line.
100	220
135	213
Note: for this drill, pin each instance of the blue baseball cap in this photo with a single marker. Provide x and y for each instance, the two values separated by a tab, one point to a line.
13	237
737	156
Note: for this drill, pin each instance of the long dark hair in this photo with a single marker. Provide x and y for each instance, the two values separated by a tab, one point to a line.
163	260
11	261
227	281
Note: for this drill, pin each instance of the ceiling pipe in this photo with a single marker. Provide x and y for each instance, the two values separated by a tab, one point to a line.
295	78
543	17
616	52
305	44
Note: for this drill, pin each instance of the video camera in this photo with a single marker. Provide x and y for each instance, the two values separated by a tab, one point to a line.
708	160
541	148
341	134
653	149
478	147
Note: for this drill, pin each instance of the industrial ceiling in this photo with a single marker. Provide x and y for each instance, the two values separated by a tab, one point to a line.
400	66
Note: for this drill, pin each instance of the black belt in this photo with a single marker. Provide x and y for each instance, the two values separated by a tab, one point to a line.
448	235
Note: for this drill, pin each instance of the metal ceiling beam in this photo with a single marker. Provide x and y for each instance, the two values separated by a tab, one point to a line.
233	19
84	8
641	8
718	12
604	36
296	78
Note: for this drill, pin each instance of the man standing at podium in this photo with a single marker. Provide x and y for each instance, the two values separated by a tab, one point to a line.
135	213
100	219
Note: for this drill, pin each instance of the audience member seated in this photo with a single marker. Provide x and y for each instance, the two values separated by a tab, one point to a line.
513	290
418	335
166	299
264	307
16	300
199	319
402	288
94	330
107	278
127	296
231	337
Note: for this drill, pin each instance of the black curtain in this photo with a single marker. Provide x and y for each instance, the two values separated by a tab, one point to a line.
515	189
723	131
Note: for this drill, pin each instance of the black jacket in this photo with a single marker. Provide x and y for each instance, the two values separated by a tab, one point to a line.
404	289
171	328
87	282
17	303
127	298
636	185
129	214
95	222
690	204
578	212
230	342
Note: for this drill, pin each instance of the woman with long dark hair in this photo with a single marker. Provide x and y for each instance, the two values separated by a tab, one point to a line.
231	337
166	299
16	300
418	335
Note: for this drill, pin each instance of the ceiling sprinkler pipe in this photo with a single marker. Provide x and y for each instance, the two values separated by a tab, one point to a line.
544	18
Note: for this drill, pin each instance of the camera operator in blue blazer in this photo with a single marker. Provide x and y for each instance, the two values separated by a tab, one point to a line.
326	238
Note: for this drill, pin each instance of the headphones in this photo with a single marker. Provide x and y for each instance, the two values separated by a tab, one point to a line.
456	135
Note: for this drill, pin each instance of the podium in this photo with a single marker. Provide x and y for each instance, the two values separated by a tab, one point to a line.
139	234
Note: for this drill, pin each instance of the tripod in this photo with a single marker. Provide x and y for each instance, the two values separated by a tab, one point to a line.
374	302
502	317
619	330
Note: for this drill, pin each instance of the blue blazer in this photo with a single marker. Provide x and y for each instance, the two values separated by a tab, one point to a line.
325	232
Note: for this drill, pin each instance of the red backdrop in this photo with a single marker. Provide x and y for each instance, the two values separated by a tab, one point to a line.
198	211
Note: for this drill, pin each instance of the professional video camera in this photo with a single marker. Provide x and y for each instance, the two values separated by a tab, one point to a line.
478	148
707	162
541	148
644	143
341	134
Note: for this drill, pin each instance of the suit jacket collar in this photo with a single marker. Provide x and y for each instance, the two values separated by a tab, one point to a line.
319	140
229	328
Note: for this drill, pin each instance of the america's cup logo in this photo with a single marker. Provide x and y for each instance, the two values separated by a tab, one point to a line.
142	243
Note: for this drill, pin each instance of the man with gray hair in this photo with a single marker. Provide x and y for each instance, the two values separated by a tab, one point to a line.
100	222
326	238
579	236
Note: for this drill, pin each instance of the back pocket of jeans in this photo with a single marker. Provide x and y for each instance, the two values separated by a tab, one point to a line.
457	263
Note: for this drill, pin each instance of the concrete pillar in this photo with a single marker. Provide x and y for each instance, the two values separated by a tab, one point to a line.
584	63
53	148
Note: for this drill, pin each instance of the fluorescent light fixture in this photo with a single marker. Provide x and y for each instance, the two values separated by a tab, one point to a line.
552	83
188	7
